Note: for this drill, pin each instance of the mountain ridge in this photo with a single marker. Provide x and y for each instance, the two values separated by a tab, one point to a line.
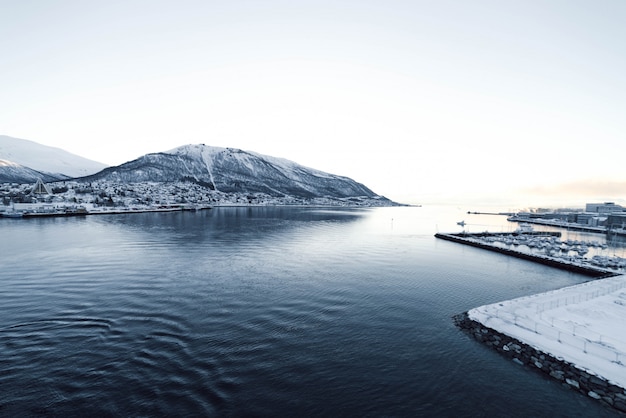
25	160
12	172
232	170
192	172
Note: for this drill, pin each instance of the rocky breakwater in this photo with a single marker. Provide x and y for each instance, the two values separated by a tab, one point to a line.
569	374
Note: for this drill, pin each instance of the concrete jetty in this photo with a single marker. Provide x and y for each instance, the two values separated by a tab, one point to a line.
474	241
522	354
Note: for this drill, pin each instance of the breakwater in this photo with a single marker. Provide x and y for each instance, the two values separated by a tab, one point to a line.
559	224
471	240
569	374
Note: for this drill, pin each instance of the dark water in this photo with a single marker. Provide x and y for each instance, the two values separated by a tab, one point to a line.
260	312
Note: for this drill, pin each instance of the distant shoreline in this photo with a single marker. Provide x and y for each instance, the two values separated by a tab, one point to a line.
117	211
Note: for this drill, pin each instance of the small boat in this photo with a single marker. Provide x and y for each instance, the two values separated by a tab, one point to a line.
524	228
12	214
462	223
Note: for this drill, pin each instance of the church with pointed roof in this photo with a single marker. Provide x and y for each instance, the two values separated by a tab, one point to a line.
40	189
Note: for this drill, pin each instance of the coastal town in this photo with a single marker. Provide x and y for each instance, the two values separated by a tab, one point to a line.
76	198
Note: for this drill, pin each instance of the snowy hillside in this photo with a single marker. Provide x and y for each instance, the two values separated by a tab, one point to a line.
230	170
11	172
41	158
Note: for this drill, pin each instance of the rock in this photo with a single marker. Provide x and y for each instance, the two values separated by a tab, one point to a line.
572	383
621	397
615	390
593	395
538	365
557	374
598	381
619	405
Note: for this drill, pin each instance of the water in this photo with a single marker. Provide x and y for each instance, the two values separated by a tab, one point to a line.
261	312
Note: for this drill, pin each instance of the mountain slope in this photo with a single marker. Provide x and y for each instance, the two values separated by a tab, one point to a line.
55	162
234	171
11	172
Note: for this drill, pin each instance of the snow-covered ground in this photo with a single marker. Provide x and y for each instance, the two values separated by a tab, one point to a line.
584	325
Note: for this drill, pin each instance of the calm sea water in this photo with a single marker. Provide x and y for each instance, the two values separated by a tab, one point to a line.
261	312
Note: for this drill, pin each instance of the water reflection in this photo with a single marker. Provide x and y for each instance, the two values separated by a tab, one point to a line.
260	312
224	224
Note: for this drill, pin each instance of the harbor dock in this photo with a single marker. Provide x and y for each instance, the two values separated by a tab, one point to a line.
559	224
477	240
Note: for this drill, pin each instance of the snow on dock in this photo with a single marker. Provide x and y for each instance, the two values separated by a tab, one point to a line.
583	324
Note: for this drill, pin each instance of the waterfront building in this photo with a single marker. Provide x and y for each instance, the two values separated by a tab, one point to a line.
606	207
616	220
591	219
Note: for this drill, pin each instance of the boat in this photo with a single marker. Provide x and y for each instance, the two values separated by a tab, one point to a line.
12	214
524	228
462	223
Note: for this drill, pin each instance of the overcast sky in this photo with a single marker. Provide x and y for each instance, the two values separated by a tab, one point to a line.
508	102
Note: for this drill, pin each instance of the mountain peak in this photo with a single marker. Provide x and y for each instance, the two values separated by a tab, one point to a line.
231	170
221	172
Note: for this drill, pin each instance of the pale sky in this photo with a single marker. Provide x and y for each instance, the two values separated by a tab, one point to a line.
504	102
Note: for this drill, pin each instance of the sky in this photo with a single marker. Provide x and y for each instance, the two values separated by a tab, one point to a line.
497	102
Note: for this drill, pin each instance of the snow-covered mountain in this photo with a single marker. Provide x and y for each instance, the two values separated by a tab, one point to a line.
231	170
22	159
11	172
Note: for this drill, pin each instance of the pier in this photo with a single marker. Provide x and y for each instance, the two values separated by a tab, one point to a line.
474	241
559	224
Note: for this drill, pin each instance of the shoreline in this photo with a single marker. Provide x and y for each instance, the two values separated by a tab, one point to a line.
570	375
75	213
80	213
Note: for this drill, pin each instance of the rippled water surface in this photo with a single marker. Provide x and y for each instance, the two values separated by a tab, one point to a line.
261	312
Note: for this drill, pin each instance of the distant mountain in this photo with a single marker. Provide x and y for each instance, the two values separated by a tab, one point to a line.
11	172
22	159
231	170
